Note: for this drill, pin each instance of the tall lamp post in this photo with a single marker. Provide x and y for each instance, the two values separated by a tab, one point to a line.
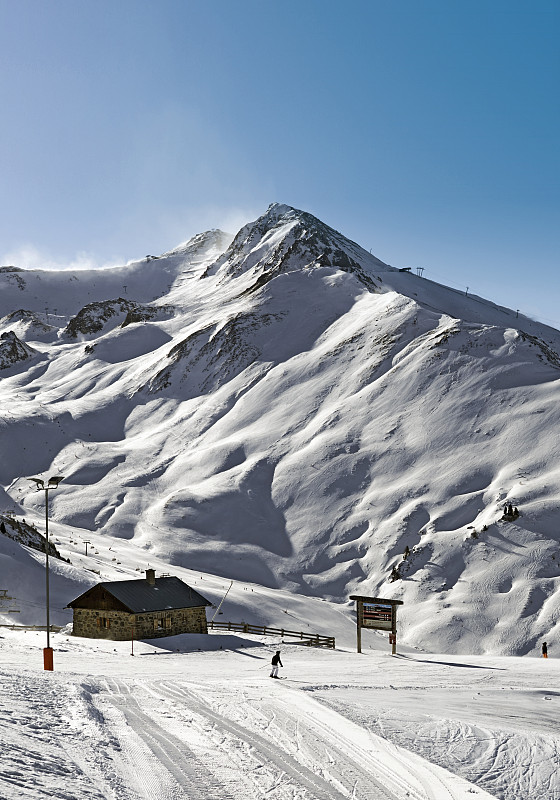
52	483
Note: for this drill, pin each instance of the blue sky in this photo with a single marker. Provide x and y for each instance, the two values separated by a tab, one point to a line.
426	131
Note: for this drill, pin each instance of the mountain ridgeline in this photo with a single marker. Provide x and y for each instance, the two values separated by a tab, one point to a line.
282	407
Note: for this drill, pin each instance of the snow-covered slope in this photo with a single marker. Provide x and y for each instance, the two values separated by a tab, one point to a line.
205	722
283	408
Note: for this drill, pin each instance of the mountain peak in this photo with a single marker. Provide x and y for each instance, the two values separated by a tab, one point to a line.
284	239
277	210
207	240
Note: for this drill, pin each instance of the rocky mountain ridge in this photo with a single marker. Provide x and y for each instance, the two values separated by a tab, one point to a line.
23	532
285	408
13	351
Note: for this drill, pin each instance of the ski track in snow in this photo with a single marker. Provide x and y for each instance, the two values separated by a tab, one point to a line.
53	743
515	755
134	738
263	766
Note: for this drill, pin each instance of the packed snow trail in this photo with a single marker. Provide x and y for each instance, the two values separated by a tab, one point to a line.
197	716
165	766
140	738
507	741
272	767
264	741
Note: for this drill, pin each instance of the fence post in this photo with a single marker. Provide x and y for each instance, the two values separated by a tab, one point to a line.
313	639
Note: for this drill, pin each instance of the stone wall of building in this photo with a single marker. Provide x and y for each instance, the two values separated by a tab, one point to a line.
103	624
170	623
118	625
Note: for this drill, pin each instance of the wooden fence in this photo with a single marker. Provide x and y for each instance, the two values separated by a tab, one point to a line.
309	639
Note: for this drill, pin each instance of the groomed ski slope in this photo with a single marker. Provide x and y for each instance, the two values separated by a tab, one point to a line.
174	721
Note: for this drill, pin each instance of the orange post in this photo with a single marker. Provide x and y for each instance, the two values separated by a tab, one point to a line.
48	658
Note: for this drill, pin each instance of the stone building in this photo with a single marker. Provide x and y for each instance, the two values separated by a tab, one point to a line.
139	609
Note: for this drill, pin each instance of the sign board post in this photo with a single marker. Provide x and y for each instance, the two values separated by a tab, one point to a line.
376	613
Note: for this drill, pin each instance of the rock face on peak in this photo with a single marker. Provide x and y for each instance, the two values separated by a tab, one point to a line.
91	319
13	351
285	239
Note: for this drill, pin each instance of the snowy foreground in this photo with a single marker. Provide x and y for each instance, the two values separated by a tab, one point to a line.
176	721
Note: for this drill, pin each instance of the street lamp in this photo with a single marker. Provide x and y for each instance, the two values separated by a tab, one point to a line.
52	483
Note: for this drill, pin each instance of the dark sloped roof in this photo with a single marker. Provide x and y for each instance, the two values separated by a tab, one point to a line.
139	595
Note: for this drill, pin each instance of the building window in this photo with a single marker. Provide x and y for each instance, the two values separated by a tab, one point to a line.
103	622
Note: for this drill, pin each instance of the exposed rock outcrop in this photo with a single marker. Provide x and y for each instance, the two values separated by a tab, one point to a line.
12	350
27	534
94	317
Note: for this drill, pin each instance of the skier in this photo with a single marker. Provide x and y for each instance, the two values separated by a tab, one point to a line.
544	650
275	664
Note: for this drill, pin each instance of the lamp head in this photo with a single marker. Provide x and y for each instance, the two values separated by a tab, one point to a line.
40	483
54	481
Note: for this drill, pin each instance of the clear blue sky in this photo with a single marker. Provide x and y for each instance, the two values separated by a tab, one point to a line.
427	131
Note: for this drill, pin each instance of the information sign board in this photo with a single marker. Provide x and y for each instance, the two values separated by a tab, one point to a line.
377	616
378	613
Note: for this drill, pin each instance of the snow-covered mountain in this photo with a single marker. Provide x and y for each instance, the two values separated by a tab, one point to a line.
282	407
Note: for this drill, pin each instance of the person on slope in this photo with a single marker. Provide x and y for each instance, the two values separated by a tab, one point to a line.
275	664
544	649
